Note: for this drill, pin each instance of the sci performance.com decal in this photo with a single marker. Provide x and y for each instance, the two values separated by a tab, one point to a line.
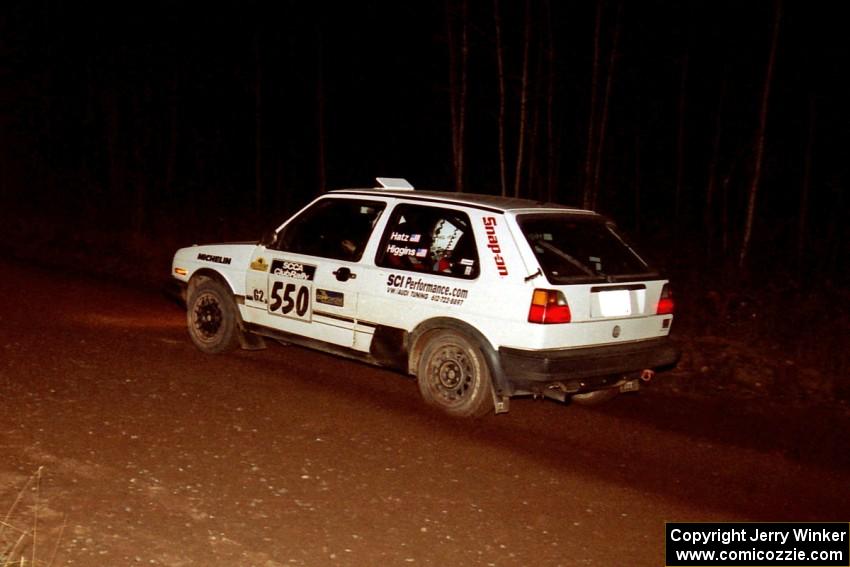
418	288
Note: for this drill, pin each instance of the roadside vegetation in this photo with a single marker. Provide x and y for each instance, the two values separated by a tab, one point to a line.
23	540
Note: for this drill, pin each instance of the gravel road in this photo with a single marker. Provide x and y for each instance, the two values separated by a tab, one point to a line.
152	453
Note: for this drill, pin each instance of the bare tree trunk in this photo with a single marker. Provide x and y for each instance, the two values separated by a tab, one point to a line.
724	215
637	182
523	101
136	168
173	131
603	123
47	170
500	66
320	113
91	165
534	181
711	187
453	90
464	61
114	147
680	142
637	193
258	124
807	183
591	123
550	100
765	97
457	88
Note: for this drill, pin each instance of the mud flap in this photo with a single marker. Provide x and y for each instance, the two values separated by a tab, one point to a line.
250	341
501	404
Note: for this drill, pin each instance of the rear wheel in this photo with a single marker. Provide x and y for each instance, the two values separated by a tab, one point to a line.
597	397
211	316
453	376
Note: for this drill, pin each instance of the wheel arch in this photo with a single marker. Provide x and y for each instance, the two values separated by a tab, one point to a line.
247	340
418	338
203	274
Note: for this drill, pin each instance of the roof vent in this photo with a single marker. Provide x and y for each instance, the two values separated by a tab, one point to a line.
394	183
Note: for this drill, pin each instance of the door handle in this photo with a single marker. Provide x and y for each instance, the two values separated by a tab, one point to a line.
344	274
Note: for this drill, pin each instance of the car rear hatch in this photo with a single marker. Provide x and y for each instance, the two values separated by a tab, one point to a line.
599	290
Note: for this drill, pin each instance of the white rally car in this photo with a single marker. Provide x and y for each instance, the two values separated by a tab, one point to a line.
480	297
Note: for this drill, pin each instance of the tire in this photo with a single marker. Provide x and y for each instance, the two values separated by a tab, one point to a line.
596	397
212	318
454	377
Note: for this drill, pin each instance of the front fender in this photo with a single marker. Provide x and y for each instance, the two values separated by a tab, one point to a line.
228	261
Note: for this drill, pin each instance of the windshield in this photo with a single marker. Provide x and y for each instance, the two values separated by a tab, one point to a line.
573	248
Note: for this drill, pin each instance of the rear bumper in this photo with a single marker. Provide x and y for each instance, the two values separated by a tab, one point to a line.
585	369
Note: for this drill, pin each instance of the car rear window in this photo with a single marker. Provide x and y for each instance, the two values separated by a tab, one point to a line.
573	248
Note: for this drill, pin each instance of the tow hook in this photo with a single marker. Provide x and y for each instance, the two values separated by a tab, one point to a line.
647	375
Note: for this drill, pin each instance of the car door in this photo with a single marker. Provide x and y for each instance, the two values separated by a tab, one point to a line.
425	264
306	281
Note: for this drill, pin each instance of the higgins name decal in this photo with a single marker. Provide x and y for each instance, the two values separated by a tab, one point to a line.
493	245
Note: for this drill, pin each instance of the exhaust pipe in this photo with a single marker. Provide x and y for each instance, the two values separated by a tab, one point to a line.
647	375
555	393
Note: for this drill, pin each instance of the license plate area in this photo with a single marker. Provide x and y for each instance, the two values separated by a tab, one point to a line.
616	303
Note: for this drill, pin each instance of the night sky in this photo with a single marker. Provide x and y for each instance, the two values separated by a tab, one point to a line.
121	115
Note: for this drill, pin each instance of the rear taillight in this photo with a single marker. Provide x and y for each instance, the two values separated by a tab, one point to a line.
665	302
548	306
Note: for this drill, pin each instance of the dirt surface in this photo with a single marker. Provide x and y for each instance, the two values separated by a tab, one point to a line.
152	453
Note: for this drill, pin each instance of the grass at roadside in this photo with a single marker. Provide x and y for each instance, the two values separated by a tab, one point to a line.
22	539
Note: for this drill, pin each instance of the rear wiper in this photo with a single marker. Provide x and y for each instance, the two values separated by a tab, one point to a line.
539	272
566	257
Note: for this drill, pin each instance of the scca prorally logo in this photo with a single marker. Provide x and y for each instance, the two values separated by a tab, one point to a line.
493	245
292	269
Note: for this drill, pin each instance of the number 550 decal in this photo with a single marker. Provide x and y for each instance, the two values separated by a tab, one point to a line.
290	299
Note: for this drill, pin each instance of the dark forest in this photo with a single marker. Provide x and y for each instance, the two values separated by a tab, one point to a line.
716	132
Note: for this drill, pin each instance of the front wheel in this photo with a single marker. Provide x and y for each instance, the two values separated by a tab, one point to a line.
211	315
453	376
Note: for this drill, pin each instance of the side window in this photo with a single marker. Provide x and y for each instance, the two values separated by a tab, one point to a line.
332	228
429	240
